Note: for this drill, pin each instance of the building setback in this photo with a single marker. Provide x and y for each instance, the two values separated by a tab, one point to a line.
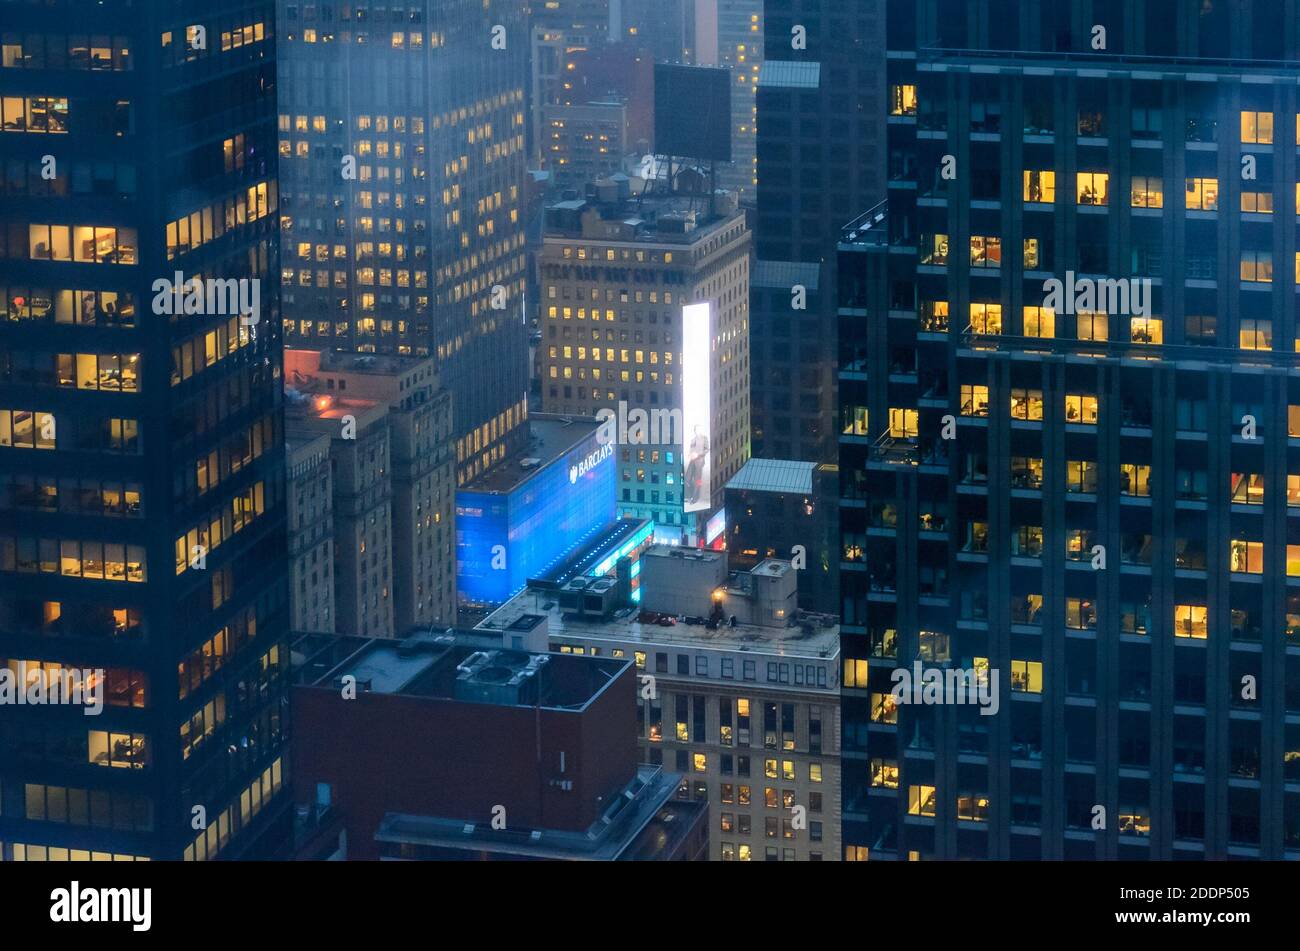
142	486
402	145
1094	505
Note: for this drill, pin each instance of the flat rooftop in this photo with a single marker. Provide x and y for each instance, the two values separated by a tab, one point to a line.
774	475
377	364
429	666
326	406
646	804
785	274
301	444
806	637
644	213
551	436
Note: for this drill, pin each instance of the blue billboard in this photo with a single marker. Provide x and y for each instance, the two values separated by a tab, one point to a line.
505	538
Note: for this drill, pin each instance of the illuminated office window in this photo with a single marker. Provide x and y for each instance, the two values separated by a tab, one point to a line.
1091	325
1254	334
985	251
1027	676
1202	194
920	800
974	400
1257	266
1260	203
1146	330
934	249
1039	186
1093	188
1257	128
903	423
902	100
986	318
1246	557
1026	404
1040	322
1081	408
1190	620
1148	192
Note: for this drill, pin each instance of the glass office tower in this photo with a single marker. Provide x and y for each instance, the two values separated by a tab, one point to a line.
142	529
1070	450
403	156
820	160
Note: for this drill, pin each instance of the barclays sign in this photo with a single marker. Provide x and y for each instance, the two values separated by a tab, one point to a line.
590	462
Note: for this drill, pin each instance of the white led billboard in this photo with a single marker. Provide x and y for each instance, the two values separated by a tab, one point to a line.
697	434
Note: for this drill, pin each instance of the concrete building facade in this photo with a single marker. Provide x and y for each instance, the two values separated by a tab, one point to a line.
616	275
311	532
396	455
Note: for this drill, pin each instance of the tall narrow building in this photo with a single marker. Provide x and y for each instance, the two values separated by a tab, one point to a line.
1070	457
730	33
142	517
820	152
402	144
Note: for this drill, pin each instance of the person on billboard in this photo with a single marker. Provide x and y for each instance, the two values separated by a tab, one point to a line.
697	459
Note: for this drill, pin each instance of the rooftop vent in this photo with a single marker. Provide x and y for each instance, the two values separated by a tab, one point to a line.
502	677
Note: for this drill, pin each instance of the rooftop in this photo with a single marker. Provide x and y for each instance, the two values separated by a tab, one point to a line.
807	637
550	437
301	446
786	274
774	475
790	74
1174	66
333	361
443	667
303	407
645	805
647	217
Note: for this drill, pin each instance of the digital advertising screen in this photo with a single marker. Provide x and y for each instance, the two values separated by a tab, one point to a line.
697	434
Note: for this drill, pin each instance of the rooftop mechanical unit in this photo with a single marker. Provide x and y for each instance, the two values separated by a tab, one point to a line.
501	677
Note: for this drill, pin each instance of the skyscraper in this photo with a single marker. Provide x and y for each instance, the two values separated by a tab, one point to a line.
730	33
820	153
402	140
589	17
665	27
1070	464
142	522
